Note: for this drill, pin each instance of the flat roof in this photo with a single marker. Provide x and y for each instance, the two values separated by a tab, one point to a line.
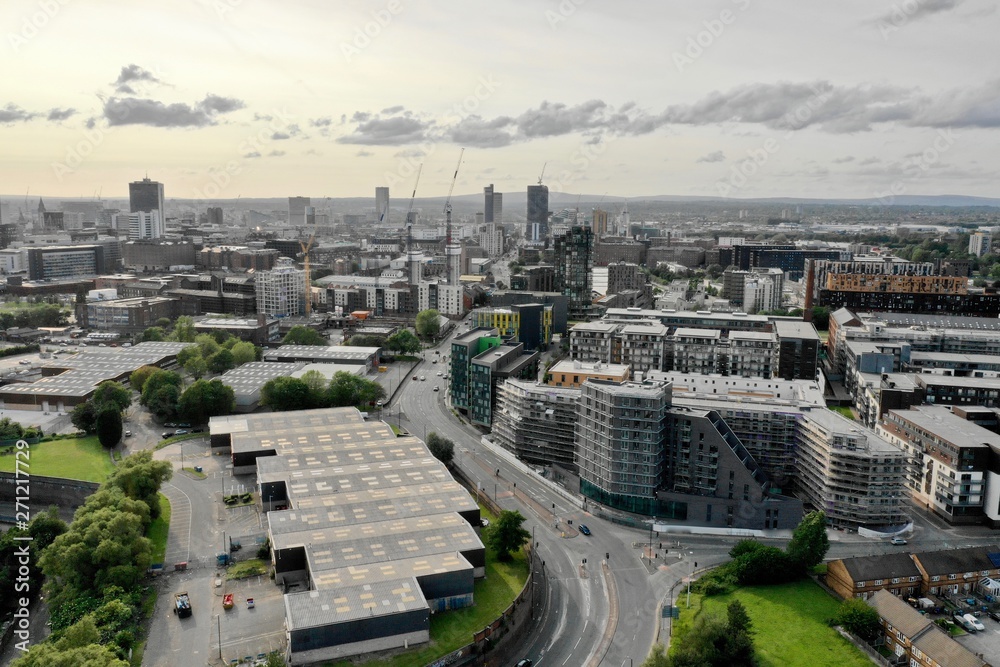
930	379
955	357
402	569
589	367
325	457
837	423
440	533
948	426
252	376
323	481
931	321
788	329
227	323
753	335
697	333
322	353
363	508
310	609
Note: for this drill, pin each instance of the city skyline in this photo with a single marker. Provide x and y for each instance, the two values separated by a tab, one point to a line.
219	99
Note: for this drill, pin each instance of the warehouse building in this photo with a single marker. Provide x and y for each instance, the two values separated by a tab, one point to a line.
248	380
333	354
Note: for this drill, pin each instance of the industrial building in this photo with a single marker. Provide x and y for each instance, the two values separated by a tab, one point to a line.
247	381
347	355
372	535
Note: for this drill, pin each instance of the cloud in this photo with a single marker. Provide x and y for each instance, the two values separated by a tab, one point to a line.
363	153
276	153
714	156
13	114
280	136
554	119
391	111
132	73
479	133
923	9
324	121
870	160
139	111
409	152
374	130
252	154
56	114
842	160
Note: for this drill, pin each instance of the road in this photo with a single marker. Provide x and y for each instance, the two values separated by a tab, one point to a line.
572	629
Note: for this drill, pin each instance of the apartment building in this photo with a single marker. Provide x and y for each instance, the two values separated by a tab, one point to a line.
535	421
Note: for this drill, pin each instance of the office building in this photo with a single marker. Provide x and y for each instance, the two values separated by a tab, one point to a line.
127	315
381	204
142	225
491	368
281	291
145	196
492	206
297	210
57	262
530	324
464	349
538	213
599	223
574	263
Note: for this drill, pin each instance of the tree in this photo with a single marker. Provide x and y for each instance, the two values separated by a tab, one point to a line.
285	393
140	477
204	399
109	426
318	385
187	354
184	331
403	341
347	389
10	430
506	535
809	542
163	401
164	323
428	323
441	448
243	353
821	317
78	647
84	417
207	345
301	335
755	563
196	367
856	616
221	361
714	271
110	393
139	376
154	334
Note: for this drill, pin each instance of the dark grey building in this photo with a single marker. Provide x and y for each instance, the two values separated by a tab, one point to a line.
146	196
538	213
57	262
574	260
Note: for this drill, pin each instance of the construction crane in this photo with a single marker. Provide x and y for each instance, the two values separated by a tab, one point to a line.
413	196
306	247
543	173
447	202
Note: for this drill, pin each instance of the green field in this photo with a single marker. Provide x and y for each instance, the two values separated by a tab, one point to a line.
78	458
789	621
453	629
159	529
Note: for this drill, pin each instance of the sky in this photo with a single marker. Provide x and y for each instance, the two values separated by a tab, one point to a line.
220	99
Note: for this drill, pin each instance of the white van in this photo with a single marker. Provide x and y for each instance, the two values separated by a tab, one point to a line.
976	624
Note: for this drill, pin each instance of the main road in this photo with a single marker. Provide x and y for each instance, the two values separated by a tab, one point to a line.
582	625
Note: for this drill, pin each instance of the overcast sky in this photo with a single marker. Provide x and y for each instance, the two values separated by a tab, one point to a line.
741	98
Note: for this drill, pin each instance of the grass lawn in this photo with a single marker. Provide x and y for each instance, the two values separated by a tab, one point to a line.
159	529
845	411
179	438
246	568
454	629
790	628
77	458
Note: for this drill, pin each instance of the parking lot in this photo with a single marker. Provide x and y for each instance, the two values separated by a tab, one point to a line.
249	632
983	643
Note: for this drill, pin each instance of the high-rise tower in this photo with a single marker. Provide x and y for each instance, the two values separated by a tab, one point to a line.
381	204
538	212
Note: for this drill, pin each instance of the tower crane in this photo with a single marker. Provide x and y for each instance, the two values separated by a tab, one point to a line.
447	202
306	247
542	175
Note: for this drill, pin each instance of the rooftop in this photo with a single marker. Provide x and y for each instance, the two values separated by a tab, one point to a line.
946	425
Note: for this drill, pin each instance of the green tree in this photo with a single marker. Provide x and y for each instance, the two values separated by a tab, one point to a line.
506	535
140	477
196	367
109	426
110	393
243	352
43	529
428	323
187	354
347	389
84	417
207	345
164	323
821	317
657	657
10	430
78	647
441	448
301	335
855	615
139	376
318	385
154	334
285	393
221	361
184	331
403	341
204	399
809	542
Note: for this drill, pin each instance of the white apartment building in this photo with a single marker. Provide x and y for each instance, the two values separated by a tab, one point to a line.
281	291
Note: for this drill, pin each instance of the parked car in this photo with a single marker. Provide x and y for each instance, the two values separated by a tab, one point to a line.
584	529
184	425
422	378
415	378
128	434
182	431
524	663
975	623
995	615
898	541
170	425
168	434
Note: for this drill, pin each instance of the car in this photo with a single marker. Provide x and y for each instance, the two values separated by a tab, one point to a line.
181	431
168	434
440	373
995	615
975	623
583	529
415	378
170	425
437	388
183	425
128	434
525	663
422	378
898	541
484	522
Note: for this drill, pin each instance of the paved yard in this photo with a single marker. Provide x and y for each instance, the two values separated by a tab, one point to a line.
984	643
249	632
